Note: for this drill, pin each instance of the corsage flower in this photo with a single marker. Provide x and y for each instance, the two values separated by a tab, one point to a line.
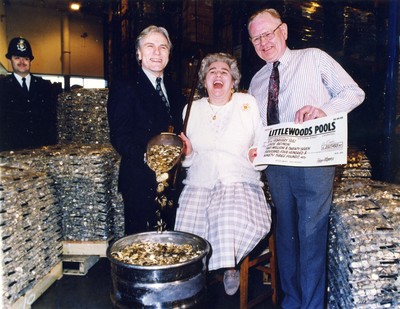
245	106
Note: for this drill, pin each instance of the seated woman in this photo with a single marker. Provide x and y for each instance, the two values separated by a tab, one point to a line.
223	199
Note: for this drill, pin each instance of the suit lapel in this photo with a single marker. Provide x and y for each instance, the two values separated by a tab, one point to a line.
147	88
15	86
33	89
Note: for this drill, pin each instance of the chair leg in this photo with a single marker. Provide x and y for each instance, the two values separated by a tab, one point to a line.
273	274
244	283
266	262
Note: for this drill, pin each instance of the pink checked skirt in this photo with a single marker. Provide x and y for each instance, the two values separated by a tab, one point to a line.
232	217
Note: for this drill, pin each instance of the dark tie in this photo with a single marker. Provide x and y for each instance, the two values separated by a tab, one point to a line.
161	93
273	92
24	86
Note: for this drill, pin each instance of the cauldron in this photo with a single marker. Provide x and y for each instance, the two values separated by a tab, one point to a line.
180	285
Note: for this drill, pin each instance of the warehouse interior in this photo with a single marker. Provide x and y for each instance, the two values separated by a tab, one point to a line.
83	51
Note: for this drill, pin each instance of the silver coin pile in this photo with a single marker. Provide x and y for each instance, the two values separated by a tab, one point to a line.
85	180
82	116
364	245
30	227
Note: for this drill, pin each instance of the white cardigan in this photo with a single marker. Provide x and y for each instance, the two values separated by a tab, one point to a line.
220	153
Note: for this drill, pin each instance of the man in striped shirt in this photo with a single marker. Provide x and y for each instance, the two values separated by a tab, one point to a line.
311	85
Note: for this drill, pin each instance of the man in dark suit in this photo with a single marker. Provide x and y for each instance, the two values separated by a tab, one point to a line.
28	117
136	113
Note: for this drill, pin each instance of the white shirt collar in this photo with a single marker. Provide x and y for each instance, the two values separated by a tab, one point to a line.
27	79
153	78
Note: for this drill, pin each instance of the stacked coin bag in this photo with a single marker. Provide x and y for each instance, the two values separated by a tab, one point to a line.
30	227
85	180
364	245
82	116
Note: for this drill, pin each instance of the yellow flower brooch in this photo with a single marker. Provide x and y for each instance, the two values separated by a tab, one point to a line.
245	107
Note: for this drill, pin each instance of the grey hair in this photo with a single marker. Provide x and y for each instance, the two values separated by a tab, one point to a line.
221	57
147	31
274	13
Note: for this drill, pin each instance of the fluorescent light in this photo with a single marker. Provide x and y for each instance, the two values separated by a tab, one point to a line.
75	6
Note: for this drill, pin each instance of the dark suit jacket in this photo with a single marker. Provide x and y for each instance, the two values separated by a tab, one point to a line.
27	121
136	113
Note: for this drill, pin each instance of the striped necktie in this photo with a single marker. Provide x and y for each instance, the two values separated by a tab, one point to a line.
273	92
161	93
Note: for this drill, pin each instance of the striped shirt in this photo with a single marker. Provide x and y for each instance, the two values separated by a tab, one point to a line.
307	77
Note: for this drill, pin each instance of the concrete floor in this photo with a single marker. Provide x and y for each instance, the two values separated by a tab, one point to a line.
93	291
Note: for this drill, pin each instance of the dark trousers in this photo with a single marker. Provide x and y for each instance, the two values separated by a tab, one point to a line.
142	212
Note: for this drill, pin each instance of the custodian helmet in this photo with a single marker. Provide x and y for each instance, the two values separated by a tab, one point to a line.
19	47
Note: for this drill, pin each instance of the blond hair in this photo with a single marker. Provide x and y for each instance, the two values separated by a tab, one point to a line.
274	13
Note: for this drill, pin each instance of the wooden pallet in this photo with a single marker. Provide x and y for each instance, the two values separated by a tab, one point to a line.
78	265
96	247
40	287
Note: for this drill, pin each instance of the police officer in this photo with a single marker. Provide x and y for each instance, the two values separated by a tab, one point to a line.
27	103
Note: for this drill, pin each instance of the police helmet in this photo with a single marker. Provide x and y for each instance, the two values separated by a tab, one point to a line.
19	47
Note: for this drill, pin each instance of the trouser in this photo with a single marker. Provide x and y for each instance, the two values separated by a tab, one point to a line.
302	197
143	213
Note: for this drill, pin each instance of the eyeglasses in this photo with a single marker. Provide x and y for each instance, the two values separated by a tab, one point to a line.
266	35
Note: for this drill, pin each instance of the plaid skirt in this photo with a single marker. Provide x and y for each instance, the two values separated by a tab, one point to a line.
232	217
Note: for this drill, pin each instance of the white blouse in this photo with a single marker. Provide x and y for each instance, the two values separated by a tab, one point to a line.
221	138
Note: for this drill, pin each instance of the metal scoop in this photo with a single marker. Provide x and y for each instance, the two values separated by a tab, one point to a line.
163	152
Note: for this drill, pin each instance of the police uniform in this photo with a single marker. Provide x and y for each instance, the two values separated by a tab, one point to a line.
27	119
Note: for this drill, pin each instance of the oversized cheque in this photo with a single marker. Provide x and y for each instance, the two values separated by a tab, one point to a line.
317	142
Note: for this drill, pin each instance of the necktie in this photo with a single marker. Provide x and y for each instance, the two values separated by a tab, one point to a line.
24	86
161	93
273	92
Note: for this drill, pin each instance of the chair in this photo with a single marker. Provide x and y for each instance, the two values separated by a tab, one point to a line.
266	263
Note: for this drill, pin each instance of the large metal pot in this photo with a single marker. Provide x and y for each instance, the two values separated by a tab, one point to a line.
180	285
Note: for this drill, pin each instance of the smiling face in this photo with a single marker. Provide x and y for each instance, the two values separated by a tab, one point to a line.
153	52
219	82
21	65
272	49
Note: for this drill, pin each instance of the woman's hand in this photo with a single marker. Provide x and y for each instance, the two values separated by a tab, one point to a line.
252	154
187	145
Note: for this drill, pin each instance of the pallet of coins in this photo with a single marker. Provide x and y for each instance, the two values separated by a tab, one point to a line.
30	227
358	166
82	116
85	178
364	246
358	189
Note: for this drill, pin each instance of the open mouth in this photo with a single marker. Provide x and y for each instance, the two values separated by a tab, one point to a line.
218	84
